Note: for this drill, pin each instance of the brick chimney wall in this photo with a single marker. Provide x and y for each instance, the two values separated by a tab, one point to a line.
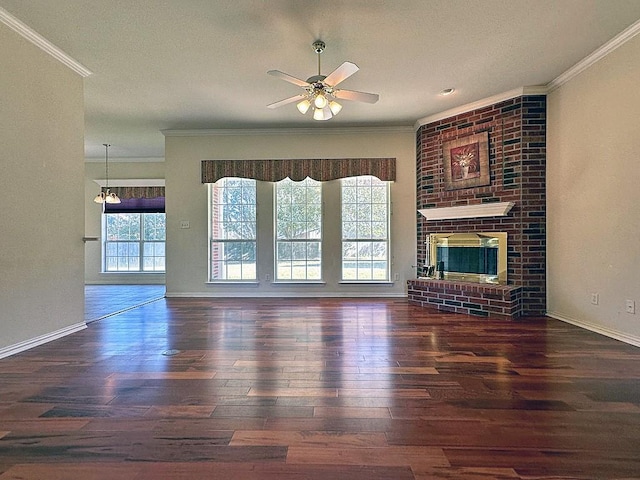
517	159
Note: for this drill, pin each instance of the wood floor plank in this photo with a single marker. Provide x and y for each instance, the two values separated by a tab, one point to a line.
84	471
309	438
116	377
387	456
351	412
292	392
292	388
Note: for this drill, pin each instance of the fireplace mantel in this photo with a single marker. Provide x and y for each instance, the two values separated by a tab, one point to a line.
494	209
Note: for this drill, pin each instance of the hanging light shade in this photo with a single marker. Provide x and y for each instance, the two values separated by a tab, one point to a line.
303	106
106	196
320	101
322	113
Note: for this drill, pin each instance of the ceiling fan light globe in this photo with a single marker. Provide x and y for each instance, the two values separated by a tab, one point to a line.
335	107
322	113
320	101
303	106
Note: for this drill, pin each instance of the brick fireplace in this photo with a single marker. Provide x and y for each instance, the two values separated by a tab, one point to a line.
517	154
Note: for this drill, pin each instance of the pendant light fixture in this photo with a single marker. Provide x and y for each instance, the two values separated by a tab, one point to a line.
106	196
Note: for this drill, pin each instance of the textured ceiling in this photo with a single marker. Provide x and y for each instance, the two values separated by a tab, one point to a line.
201	64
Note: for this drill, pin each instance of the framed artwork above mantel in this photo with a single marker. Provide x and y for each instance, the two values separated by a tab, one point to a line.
466	162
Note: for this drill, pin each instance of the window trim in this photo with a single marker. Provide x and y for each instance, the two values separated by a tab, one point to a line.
141	242
387	239
230	281
276	240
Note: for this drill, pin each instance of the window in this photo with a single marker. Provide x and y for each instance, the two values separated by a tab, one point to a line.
232	209
298	230
365	229
134	242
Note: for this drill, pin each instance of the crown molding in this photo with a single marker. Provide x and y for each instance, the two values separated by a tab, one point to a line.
286	131
485	102
496	209
617	41
563	78
39	41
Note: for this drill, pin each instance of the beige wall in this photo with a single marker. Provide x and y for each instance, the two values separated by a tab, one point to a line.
593	215
187	201
41	196
118	170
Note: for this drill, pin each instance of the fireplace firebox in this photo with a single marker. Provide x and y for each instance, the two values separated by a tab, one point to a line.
478	257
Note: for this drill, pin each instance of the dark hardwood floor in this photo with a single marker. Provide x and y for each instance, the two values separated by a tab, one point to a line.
101	301
324	389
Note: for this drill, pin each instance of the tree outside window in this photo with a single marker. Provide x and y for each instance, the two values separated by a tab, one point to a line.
298	230
233	229
134	242
365	229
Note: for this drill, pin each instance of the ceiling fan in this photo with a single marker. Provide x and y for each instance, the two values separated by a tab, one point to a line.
320	90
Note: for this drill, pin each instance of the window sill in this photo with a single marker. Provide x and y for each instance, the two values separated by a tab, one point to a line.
298	282
232	282
366	282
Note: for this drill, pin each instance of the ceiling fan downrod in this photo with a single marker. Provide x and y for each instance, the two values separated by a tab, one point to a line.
318	47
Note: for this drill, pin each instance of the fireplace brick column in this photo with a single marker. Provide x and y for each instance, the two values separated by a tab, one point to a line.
517	161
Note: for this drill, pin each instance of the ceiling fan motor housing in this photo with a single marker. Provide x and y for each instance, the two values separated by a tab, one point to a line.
316	79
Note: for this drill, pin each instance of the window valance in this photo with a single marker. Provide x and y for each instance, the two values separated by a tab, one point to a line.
137	192
297	170
137	200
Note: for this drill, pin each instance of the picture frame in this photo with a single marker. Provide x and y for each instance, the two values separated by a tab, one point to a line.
466	162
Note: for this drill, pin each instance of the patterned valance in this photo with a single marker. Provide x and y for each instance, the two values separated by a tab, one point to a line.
297	170
137	192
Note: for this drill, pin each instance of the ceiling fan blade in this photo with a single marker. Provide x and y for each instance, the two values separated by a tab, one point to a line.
356	96
288	78
341	73
286	101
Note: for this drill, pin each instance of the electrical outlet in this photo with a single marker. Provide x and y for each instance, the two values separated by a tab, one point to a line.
630	306
396	276
595	298
184	223
267	277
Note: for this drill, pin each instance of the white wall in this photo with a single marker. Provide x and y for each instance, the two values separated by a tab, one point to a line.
41	196
593	195
118	170
187	201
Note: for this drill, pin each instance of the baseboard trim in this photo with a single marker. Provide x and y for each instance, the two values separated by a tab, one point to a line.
42	339
281	295
607	332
